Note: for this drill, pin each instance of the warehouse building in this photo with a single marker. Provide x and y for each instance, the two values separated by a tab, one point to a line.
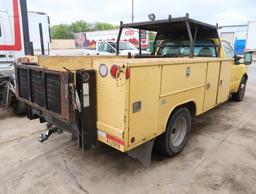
236	35
241	37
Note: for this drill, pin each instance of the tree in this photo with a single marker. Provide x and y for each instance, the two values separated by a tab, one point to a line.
103	26
64	31
61	31
81	26
151	36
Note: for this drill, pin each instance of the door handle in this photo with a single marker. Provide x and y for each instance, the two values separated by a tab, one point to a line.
208	86
221	82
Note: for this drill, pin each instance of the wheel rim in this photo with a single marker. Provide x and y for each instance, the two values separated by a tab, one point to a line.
242	90
178	131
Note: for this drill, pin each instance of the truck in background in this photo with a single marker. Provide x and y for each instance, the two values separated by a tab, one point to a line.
109	48
102	48
90	39
21	33
251	37
39	28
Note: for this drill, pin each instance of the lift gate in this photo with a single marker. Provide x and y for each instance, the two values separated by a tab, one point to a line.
64	98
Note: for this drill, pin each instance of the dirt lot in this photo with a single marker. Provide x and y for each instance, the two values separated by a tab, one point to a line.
220	158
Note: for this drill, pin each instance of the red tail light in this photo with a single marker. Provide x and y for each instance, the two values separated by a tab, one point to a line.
128	73
114	71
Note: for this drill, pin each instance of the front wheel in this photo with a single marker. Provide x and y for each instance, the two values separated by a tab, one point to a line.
239	95
176	136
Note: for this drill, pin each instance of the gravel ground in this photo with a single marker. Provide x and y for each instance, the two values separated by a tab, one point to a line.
220	158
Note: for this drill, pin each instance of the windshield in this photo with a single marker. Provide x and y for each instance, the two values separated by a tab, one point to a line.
124	46
203	48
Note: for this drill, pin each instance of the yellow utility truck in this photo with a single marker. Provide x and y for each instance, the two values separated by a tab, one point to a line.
133	103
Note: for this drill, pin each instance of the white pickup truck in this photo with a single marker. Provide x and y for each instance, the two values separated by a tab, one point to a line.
109	48
102	48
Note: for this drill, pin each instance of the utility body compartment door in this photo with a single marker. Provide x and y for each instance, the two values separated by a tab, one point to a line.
224	81
143	103
211	87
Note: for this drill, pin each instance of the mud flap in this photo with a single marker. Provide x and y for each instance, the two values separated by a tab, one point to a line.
143	153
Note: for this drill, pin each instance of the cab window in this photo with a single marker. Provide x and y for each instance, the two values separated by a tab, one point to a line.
105	47
203	48
101	47
229	52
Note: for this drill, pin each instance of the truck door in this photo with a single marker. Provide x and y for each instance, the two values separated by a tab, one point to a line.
236	69
144	103
2	40
211	87
6	38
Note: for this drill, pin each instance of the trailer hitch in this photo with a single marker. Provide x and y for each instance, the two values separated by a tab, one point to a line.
44	136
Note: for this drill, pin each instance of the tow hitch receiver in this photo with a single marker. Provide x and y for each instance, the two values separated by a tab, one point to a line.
44	136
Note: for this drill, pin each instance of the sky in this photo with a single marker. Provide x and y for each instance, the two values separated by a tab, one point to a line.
223	12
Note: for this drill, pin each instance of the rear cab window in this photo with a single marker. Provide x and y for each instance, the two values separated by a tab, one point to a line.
203	48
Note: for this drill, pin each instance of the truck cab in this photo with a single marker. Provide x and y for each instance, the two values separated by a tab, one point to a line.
6	38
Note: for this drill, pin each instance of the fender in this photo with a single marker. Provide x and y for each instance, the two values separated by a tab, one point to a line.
17	31
180	105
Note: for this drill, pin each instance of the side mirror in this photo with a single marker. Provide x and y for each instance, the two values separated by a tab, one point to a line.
248	58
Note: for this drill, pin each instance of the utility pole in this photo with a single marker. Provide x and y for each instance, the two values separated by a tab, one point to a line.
132	11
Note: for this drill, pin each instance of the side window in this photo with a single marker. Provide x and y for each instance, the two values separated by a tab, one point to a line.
228	49
105	47
101	47
109	49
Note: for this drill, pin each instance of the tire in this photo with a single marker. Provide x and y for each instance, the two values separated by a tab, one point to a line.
239	95
176	136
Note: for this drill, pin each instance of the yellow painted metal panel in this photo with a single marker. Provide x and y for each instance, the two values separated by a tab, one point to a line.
176	78
111	102
224	81
168	103
237	73
70	62
144	90
138	62
211	87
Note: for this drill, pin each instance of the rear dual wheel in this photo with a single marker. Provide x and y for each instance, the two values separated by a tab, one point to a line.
176	136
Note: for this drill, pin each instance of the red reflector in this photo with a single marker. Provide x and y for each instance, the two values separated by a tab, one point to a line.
114	71
128	73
